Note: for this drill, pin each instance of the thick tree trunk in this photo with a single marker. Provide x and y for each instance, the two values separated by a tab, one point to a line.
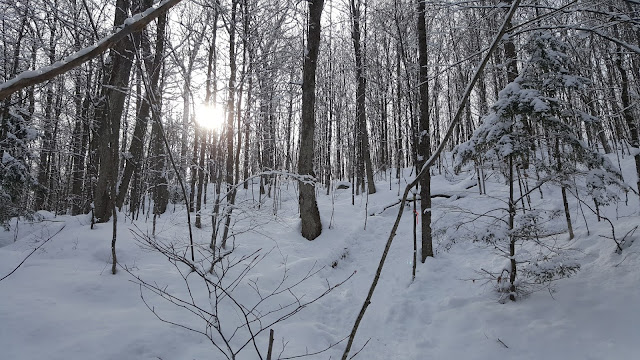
109	115
158	160
309	214
159	189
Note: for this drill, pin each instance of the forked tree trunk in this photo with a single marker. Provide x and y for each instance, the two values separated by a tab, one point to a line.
109	115
152	65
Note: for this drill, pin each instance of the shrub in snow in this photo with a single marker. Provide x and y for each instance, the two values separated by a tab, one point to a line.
222	297
539	255
15	174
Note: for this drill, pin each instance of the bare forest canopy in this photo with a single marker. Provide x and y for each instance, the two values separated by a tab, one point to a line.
136	107
132	105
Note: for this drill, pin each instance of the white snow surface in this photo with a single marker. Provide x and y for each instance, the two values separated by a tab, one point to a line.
64	303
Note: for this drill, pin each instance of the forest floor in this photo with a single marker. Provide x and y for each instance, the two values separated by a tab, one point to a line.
64	303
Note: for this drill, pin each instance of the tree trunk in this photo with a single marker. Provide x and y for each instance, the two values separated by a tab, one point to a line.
512	74
247	121
80	140
202	186
108	118
512	239
158	162
43	196
424	140
230	118
627	114
364	158
134	161
309	214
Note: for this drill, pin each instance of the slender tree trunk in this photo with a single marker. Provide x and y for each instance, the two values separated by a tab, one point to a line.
230	119
364	157
398	114
43	191
158	163
512	74
202	169
424	147
512	238
627	114
80	139
198	132
565	202
247	121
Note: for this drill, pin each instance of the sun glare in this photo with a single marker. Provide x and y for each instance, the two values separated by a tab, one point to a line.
211	117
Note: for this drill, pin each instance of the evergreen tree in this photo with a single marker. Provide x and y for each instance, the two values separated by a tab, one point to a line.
533	124
15	175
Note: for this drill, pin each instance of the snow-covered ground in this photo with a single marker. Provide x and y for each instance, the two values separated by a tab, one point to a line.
64	303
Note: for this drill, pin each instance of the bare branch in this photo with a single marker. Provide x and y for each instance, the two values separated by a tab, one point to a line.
31	253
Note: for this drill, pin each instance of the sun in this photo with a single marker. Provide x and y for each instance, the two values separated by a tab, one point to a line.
210	117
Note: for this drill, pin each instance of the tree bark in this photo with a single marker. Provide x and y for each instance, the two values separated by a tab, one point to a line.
43	196
74	60
309	214
137	141
158	164
109	114
364	158
230	118
424	137
512	74
627	114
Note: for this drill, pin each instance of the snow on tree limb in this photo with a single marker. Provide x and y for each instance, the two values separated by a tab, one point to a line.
131	25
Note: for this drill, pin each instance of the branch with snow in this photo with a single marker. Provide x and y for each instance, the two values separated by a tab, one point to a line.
131	25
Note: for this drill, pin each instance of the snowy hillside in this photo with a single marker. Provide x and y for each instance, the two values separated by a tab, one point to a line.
64	303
